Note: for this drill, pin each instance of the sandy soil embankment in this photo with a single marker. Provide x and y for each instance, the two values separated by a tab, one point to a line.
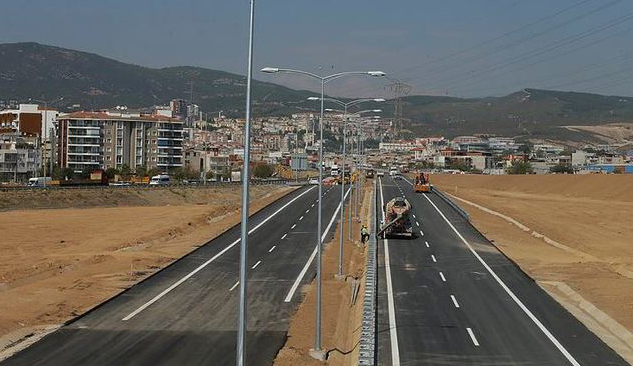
58	263
577	239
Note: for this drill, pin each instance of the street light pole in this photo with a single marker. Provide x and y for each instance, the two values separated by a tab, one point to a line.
345	106
317	352
241	326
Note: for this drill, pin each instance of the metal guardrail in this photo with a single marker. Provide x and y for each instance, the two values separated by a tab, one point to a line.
145	186
367	345
446	199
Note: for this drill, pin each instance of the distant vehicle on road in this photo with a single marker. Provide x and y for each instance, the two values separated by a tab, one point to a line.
380	173
393	171
39	182
313	181
159	180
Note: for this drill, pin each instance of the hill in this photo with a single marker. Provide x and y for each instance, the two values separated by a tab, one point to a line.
32	70
530	113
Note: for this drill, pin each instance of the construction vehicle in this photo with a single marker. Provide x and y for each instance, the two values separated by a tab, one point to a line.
397	222
421	183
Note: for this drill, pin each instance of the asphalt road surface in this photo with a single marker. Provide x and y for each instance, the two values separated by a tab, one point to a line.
449	297
186	314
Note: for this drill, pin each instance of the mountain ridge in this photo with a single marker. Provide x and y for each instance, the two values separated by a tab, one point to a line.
33	70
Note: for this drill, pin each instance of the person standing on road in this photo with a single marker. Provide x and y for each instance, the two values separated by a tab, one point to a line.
364	234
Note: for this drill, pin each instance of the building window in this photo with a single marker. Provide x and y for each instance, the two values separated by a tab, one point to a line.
108	158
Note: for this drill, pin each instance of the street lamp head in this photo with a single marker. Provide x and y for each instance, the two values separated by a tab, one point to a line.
270	70
314	98
377	110
329	110
376	73
379	99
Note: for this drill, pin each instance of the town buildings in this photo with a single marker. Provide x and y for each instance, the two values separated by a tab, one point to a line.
102	140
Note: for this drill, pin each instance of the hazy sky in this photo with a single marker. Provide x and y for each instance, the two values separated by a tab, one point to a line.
454	47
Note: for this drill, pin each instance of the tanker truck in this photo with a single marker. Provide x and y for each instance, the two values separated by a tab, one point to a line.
397	223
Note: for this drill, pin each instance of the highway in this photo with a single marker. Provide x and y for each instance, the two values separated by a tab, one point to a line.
186	313
449	297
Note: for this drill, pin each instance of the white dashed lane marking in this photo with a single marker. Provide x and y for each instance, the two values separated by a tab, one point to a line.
256	264
455	301
442	277
472	337
234	286
433	257
272	248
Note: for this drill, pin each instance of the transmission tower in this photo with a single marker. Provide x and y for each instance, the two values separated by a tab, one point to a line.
399	90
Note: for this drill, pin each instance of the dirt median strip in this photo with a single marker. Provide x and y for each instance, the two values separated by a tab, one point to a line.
341	318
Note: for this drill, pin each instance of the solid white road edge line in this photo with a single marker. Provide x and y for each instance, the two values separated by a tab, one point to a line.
200	267
454	301
527	311
297	282
256	264
472	336
393	331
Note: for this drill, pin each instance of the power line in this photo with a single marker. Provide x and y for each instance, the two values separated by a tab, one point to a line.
504	35
584	68
539	51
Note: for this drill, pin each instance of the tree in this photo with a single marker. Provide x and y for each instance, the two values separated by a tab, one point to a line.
85	174
458	165
141	171
263	171
520	167
185	173
526	148
210	175
111	172
562	169
153	171
125	171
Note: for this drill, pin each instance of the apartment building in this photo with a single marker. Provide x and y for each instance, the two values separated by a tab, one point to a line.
102	140
19	158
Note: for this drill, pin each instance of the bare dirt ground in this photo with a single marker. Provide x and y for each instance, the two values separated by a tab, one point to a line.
341	321
57	263
587	224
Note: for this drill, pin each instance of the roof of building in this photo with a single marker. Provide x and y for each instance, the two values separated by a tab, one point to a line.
118	116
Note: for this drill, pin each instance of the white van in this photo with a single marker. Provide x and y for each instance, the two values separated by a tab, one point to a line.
159	180
39	182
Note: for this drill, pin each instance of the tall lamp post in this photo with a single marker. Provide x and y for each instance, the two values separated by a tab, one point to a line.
345	106
241	327
317	352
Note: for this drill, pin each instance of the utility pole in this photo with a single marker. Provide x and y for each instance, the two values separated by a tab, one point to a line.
399	89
